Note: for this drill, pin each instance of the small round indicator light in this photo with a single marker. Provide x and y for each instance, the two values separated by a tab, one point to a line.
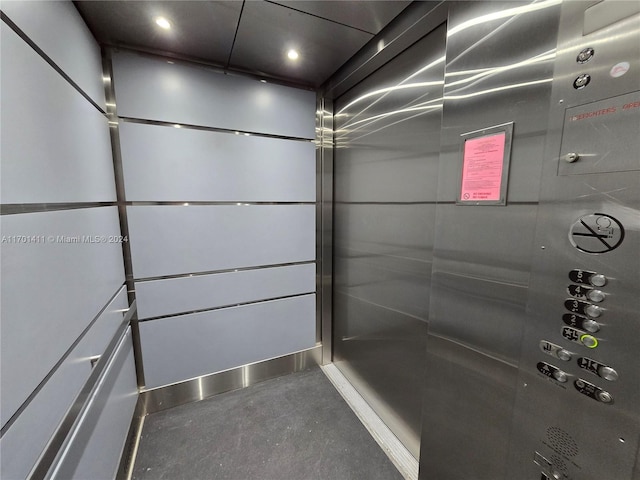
589	341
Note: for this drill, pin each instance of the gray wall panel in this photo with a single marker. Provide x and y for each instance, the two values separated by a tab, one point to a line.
38	421
95	451
55	144
168	240
196	95
187	346
56	288
186	294
54	26
165	163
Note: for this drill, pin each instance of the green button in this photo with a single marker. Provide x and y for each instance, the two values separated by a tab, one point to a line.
589	341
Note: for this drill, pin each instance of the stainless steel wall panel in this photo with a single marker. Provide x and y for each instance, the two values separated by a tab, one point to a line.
490	81
577	436
394	230
49	131
380	351
162	163
187	294
54	26
53	288
468	394
387	137
168	240
38	420
499	68
179	348
96	446
487	243
152	88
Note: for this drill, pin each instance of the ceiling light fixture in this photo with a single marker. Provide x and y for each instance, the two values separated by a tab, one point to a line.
163	23
292	54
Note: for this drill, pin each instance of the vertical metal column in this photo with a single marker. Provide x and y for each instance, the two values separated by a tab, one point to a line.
112	117
324	247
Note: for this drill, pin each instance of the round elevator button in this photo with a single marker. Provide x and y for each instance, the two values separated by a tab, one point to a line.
591	326
564	355
560	376
589	341
585	55
598	280
608	373
581	81
593	311
595	295
605	397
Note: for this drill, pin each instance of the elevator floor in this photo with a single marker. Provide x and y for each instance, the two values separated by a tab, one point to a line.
295	427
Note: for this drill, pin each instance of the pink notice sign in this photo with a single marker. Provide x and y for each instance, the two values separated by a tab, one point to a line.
482	164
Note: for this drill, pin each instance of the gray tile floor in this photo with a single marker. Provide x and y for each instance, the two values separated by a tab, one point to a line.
295	427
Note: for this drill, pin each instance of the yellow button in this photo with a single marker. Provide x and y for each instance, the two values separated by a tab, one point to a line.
589	341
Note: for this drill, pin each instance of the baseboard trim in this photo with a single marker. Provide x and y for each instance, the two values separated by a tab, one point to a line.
199	388
406	463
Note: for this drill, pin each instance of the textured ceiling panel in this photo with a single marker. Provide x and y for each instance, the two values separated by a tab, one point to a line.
370	16
267	31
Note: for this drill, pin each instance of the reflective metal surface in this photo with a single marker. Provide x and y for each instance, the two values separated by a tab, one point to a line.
387	136
589	427
499	64
199	388
324	222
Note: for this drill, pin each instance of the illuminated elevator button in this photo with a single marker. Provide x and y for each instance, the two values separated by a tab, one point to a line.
593	311
591	325
607	373
595	295
598	280
589	341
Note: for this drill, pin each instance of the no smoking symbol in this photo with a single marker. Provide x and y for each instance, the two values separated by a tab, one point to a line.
596	233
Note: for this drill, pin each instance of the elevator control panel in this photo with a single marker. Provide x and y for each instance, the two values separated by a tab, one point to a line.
578	403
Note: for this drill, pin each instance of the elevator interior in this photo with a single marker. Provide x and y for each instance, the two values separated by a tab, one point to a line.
439	199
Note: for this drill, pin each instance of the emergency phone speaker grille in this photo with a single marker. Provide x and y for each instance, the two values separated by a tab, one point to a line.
558	463
562	442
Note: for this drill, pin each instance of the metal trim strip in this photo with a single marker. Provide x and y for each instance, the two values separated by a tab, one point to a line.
189	203
55	368
202	310
325	238
215	272
413	23
199	388
47	59
55	450
18	208
189	126
118	170
132	442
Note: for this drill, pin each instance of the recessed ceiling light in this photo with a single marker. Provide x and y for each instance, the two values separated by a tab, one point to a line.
163	23
292	54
